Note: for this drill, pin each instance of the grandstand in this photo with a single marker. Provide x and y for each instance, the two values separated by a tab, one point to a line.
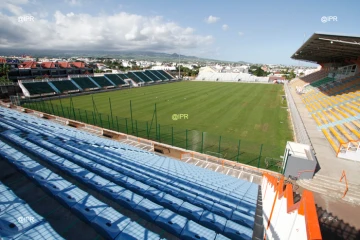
65	86
331	95
103	82
85	83
139	194
114	78
39	88
35	88
230	77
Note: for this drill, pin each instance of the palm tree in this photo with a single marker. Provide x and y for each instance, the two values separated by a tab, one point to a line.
4	71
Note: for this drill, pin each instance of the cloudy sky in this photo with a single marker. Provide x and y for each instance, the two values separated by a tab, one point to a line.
255	31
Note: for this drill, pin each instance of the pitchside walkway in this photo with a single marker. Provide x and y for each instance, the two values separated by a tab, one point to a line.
331	167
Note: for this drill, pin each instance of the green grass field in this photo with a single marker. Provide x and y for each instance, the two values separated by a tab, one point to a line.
250	112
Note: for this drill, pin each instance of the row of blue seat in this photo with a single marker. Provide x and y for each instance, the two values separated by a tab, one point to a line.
146	208
106	220
154	172
252	195
19	221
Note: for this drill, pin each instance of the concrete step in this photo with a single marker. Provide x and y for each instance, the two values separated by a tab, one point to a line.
350	197
335	185
332	187
335	180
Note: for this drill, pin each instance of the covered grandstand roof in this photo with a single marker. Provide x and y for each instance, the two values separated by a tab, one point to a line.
327	47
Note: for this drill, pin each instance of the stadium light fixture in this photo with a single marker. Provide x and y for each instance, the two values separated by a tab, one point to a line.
339	41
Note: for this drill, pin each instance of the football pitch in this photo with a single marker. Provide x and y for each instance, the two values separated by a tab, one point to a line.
252	113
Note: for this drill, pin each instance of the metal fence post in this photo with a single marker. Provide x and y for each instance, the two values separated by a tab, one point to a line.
93	114
137	133
87	120
52	108
147	129
109	121
237	157
112	120
219	144
202	142
57	110
258	165
117	124
80	115
62	109
126	123
101	123
159	134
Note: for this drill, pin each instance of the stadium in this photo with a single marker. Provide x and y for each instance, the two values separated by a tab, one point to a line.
147	154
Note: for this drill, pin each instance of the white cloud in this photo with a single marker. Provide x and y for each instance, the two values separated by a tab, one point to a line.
212	19
241	34
122	31
225	27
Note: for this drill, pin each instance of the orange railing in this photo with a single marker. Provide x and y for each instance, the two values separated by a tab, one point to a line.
343	175
305	207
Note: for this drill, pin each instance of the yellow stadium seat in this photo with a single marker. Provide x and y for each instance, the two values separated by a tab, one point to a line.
317	120
328	116
352	129
356	124
346	134
336	135
331	141
348	110
335	114
342	112
322	118
352	107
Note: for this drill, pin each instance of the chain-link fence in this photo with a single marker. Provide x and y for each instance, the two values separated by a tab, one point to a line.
243	151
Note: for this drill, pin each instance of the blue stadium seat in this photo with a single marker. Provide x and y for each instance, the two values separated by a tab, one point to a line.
237	231
171	222
110	223
221	237
138	187
71	196
18	220
56	186
134	231
171	202
43	231
154	194
191	211
112	190
186	196
148	209
88	208
213	221
203	202
243	219
9	200
129	199
192	231
222	210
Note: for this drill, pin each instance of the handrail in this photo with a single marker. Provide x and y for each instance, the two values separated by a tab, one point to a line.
343	175
305	207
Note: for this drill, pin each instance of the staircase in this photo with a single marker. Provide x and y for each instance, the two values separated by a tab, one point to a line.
258	232
333	188
53	87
